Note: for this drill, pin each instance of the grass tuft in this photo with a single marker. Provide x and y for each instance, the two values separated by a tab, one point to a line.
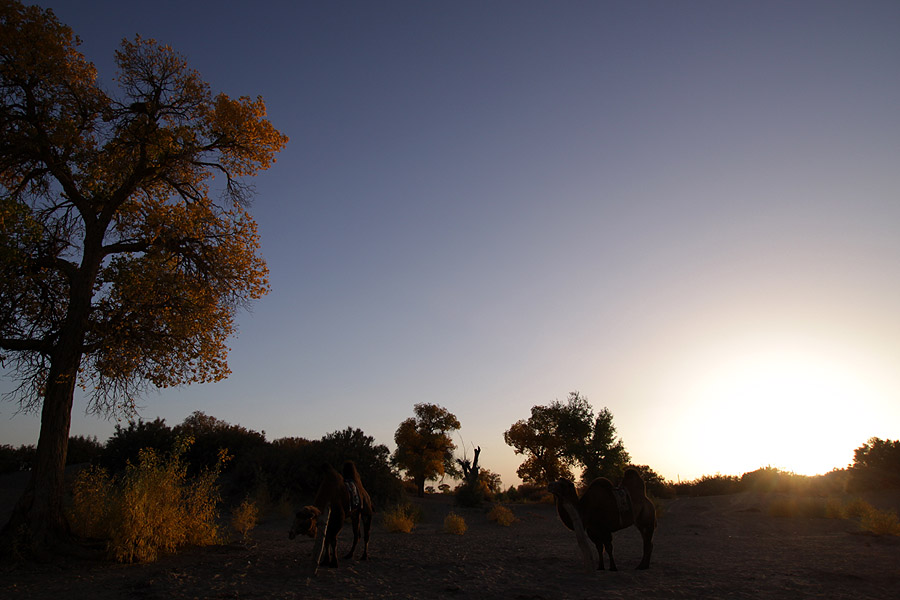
502	515
455	524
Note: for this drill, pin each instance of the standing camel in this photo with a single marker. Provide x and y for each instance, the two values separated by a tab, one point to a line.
339	497
602	509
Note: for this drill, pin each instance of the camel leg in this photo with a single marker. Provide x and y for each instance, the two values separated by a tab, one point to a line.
367	525
335	522
598	543
354	522
607	543
321	541
647	536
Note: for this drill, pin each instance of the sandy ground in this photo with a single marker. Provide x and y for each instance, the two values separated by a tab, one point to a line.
716	547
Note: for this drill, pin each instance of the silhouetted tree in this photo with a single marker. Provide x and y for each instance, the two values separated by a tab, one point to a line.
561	436
83	449
212	435
604	454
125	443
876	464
118	269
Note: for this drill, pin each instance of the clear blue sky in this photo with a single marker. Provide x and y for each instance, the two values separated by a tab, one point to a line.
687	211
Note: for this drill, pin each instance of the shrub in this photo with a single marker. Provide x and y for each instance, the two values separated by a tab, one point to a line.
455	524
880	522
153	507
502	515
856	508
402	518
92	503
245	517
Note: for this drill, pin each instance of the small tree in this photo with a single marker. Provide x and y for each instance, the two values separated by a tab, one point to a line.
119	270
424	446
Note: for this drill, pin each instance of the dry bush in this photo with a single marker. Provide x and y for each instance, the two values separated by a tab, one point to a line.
399	519
153	507
455	524
92	503
856	508
880	522
245	517
502	515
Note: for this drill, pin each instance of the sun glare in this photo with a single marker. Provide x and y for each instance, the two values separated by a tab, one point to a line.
802	411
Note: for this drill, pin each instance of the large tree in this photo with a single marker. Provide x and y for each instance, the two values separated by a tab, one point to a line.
564	435
120	268
424	446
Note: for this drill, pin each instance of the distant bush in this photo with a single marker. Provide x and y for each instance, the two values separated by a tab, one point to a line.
455	524
502	515
855	508
880	522
14	459
152	507
470	495
529	492
709	485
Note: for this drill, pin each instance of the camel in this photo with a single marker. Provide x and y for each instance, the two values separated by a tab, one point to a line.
338	498
598	512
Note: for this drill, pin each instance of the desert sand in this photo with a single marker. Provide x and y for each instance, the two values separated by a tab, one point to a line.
714	547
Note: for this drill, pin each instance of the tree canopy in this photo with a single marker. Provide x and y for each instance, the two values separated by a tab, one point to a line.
424	446
120	269
561	436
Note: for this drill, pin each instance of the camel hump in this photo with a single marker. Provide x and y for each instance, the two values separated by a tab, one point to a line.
601	483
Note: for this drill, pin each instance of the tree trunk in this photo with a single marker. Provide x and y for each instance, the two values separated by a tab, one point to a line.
38	525
420	485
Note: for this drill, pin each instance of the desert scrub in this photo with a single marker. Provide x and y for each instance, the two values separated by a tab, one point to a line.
502	515
880	522
856	508
152	507
402	518
455	524
92	503
245	517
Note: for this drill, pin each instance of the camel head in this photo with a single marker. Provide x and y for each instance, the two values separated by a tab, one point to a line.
563	489
305	522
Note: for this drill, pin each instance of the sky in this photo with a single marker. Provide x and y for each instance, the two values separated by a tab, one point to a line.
686	211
